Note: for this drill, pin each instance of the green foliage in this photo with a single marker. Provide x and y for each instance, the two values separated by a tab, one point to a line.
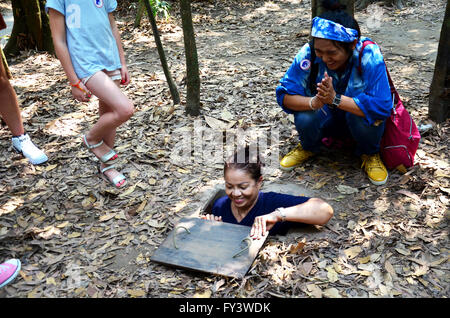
160	8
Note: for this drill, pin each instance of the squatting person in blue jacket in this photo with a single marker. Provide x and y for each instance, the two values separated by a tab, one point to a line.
332	94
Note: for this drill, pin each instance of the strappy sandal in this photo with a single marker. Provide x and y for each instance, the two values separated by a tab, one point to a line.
116	180
108	158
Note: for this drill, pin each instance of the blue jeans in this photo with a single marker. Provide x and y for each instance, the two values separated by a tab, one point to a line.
312	126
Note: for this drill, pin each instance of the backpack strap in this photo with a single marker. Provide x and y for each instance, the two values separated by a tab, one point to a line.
364	44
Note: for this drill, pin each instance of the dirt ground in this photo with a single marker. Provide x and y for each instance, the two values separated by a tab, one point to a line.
79	237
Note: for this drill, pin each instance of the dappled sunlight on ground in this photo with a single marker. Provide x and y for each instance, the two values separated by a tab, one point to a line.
79	237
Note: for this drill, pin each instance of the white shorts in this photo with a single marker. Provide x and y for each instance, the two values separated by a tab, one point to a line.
114	75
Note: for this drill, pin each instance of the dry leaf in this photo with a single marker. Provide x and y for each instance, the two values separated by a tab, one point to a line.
315	290
364	273
48	232
403	251
33	293
141	206
409	194
422	270
319	185
352	252
307	267
106	217
88	202
155	223
297	248
331	274
136	292
226	115
332	293
25	277
63	224
346	189
74	235
205	294
218	124
390	269
128	191
40	275
364	260
440	261
50	167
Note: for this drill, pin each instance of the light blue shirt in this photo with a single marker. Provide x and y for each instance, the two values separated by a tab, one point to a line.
89	37
370	90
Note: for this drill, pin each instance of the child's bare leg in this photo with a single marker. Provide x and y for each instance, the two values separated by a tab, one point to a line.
9	107
103	108
109	139
115	109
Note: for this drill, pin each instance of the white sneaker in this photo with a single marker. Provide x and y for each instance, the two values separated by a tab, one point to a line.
25	146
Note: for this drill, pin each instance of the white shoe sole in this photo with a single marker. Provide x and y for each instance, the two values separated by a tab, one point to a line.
378	183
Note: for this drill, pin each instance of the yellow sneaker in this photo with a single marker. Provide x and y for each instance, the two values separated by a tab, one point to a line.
294	158
375	169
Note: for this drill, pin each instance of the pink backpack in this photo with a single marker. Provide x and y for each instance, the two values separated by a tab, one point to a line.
401	137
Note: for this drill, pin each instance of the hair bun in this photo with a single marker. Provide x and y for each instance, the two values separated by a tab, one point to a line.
333	5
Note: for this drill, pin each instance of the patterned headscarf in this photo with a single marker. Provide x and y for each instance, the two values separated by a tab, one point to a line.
326	29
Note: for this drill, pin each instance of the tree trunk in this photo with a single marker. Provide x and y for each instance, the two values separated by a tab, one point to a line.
162	56
31	29
139	13
440	86
317	9
190	49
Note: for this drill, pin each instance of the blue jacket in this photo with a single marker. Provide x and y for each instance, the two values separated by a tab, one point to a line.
370	90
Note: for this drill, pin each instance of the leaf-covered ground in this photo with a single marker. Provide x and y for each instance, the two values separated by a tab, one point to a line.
78	237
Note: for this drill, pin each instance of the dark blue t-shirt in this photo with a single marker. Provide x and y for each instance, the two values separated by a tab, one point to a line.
267	203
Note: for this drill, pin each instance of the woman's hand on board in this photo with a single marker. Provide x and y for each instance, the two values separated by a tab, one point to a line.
262	224
211	217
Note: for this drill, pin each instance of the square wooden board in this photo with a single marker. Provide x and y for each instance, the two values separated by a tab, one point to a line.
209	247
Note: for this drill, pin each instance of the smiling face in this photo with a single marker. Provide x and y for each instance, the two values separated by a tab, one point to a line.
334	56
241	188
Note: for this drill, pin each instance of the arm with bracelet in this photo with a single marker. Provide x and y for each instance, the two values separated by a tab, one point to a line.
57	25
313	211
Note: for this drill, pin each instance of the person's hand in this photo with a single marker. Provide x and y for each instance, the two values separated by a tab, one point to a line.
81	93
262	224
125	75
316	103
325	90
211	217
